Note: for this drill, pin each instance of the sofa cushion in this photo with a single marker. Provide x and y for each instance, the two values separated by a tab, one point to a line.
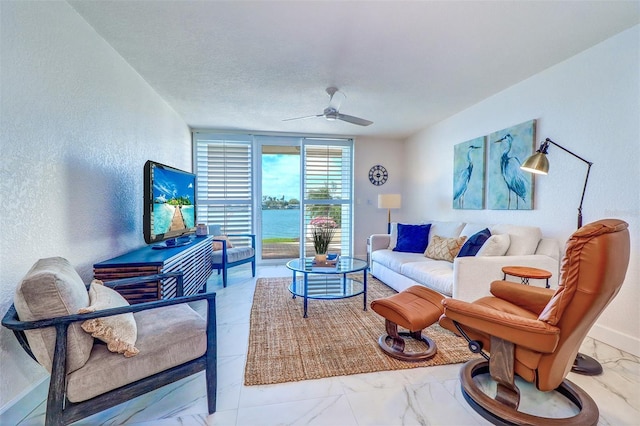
395	259
496	245
473	228
412	238
435	274
474	243
445	229
52	288
441	248
119	332
524	239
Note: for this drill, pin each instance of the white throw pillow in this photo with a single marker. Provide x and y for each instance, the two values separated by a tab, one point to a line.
393	239
523	239
119	332
496	245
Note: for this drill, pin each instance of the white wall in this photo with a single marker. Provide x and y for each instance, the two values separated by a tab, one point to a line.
368	218
590	105
78	123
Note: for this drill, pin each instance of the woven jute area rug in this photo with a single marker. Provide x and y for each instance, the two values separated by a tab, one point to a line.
338	337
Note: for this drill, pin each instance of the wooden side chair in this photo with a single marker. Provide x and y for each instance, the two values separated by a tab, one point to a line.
535	332
149	345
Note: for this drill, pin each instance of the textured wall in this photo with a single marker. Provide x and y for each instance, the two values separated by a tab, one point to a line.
368	218
589	105
78	123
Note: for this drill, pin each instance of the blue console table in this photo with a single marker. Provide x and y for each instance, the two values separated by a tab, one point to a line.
193	259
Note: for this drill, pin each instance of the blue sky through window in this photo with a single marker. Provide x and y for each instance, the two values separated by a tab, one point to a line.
281	176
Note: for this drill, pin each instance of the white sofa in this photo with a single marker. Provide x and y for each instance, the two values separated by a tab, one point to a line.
466	278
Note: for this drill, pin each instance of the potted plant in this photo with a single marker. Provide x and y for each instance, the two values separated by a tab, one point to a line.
322	236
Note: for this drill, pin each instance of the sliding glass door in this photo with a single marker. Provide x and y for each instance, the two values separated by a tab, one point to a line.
280	188
280	195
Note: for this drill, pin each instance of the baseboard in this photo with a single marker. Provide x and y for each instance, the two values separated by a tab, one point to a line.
616	339
22	405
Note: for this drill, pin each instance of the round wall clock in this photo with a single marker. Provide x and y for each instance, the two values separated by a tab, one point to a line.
378	175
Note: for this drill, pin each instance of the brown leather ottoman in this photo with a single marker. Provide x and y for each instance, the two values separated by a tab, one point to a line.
414	309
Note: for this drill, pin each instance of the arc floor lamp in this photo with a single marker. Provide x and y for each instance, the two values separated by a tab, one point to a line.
539	164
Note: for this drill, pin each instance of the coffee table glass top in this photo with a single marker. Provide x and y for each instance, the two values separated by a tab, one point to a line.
328	282
344	265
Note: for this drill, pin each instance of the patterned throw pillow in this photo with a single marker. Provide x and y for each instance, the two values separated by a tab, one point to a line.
444	248
217	245
119	332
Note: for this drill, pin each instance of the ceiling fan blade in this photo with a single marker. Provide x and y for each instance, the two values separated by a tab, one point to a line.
303	118
336	98
353	120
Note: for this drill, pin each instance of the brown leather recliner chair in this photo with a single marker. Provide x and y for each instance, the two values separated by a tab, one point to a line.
535	332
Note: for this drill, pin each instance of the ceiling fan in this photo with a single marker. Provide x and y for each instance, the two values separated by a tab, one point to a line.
332	112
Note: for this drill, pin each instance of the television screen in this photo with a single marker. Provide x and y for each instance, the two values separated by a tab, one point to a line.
169	202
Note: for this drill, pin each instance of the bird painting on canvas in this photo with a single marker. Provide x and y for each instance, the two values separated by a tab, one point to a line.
461	183
511	173
509	187
468	175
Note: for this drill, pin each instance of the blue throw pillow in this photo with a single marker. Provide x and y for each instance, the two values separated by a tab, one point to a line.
473	244
412	238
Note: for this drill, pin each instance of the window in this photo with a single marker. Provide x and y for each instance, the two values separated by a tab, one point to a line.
224	181
327	188
227	166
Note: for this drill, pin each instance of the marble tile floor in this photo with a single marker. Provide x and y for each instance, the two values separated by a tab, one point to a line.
421	396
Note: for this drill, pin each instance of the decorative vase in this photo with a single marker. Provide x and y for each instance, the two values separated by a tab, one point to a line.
321	258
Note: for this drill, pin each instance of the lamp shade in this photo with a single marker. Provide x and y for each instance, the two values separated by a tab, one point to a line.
537	163
389	201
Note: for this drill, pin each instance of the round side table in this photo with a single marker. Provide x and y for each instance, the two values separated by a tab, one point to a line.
525	273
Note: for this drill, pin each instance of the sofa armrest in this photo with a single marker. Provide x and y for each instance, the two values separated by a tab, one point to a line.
472	276
379	242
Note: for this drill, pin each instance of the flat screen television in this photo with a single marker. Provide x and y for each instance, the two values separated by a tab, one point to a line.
169	202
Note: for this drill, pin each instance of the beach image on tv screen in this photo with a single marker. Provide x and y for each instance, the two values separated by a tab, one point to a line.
173	206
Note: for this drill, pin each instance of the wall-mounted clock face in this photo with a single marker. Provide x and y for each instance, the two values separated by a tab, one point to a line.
378	175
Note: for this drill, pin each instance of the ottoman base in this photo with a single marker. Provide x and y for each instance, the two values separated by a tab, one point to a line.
414	309
393	344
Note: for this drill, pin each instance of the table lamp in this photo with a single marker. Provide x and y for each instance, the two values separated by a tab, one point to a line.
389	201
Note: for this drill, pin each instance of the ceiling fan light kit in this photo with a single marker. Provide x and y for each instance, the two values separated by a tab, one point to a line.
332	113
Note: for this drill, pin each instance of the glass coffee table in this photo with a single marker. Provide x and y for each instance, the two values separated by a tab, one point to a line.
328	282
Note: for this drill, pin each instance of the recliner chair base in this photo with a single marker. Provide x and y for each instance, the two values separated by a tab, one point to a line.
501	414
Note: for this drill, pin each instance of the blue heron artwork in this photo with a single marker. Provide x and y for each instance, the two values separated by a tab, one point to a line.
468	174
510	188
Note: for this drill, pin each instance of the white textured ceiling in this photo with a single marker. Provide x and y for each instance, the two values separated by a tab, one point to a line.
247	65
